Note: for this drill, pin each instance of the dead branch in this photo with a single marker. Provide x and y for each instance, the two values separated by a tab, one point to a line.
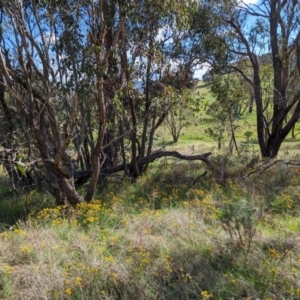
265	166
83	176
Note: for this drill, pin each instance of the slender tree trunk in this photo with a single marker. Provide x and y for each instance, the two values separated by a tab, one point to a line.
147	100
293	132
233	139
97	161
134	159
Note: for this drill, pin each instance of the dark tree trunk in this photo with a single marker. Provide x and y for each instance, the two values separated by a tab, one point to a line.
286	111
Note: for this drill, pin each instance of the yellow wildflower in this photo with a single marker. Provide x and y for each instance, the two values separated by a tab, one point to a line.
274	253
78	280
26	249
206	294
8	269
68	291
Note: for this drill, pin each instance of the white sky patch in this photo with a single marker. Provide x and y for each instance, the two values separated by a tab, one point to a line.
160	34
242	3
163	34
200	71
50	38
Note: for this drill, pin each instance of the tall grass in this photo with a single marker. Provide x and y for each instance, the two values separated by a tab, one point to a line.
16	205
166	236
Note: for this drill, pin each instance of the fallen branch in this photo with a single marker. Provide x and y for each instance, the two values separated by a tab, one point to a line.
263	167
82	176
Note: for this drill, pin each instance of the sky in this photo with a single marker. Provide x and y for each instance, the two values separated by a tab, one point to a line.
250	1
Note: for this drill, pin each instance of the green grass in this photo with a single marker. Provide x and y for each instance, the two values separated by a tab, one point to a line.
166	236
16	205
194	137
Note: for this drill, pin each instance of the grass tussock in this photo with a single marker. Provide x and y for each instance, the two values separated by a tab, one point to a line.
157	240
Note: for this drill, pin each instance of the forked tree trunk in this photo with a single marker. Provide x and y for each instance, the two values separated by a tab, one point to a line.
284	47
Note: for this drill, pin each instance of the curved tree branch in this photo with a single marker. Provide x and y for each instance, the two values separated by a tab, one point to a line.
83	176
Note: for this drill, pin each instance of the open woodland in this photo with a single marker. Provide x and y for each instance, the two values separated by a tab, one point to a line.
123	176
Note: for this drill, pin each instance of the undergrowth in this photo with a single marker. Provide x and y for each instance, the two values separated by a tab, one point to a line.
166	236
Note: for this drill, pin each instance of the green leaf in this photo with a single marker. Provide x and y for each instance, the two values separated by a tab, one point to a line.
21	168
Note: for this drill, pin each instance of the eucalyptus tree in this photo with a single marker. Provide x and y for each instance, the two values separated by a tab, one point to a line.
181	89
248	32
68	71
41	60
144	57
231	102
29	75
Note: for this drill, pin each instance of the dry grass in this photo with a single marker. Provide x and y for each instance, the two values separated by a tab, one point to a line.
164	237
127	249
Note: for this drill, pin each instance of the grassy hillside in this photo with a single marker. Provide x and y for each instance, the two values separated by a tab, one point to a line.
166	236
194	139
175	233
